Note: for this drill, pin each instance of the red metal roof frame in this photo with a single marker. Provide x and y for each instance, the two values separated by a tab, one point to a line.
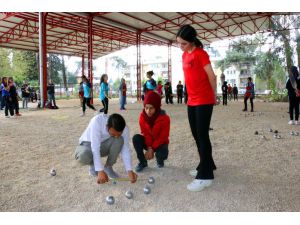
67	33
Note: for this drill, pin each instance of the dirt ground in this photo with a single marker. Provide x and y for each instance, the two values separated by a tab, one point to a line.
254	173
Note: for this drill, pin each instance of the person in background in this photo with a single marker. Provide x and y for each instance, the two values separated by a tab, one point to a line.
80	93
122	94
2	104
294	96
8	103
235	92
250	93
14	95
51	95
87	89
179	92
25	94
104	93
150	84
159	88
168	93
155	130
200	81
224	92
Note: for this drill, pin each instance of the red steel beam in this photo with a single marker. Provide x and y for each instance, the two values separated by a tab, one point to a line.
90	53
138	66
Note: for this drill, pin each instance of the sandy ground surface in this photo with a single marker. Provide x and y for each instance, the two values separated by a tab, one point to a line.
254	173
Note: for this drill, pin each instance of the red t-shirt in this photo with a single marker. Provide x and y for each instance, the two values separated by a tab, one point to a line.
197	83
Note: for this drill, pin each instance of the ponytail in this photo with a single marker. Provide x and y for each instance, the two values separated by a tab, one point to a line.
188	33
198	43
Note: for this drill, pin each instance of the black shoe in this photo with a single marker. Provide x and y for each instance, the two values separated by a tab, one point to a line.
160	164
140	167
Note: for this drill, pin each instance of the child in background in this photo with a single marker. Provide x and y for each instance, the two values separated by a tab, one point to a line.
104	93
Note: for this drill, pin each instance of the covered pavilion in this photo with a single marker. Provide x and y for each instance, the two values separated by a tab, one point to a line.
92	35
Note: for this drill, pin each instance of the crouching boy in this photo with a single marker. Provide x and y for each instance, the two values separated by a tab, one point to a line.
105	137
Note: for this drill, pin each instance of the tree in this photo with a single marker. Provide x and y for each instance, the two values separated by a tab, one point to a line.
279	25
54	68
64	74
116	84
240	52
119	63
24	66
5	67
298	47
269	67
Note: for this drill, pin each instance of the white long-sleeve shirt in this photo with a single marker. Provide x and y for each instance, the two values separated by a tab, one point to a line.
96	133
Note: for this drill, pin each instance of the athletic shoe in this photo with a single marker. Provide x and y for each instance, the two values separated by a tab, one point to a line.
92	171
199	185
140	167
160	164
18	114
7	116
110	172
291	122
82	115
297	122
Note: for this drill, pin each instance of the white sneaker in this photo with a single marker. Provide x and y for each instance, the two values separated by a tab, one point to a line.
92	171
82	115
291	122
193	173
110	172
7	116
297	122
199	185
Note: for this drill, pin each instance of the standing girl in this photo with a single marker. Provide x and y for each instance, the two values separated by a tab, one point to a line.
104	93
293	87
87	88
200	82
249	94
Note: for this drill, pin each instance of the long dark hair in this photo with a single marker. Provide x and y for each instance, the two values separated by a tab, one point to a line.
294	71
188	33
102	78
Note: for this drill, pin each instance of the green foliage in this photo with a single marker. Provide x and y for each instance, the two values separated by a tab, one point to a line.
269	67
240	52
159	78
116	84
5	68
54	68
278	26
71	78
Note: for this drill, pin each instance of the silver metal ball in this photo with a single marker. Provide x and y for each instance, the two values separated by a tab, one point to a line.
114	182
110	200
270	130
53	172
292	133
147	190
275	135
151	180
129	194
296	133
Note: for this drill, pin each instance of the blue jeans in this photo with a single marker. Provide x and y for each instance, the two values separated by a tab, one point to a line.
122	101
